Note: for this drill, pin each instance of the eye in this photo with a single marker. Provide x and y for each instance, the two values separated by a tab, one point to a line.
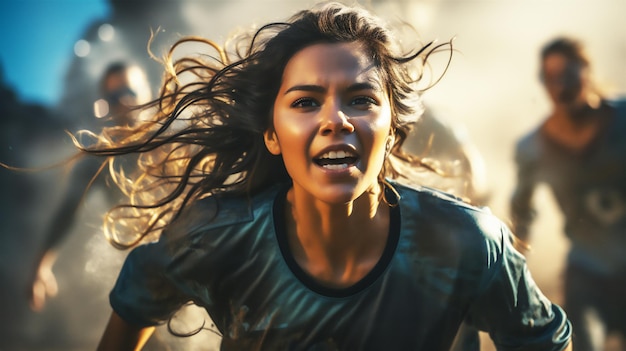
305	102
364	101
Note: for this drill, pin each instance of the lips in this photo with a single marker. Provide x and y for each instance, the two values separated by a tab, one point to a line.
336	159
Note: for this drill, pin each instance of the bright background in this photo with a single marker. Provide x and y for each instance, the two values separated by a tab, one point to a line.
37	38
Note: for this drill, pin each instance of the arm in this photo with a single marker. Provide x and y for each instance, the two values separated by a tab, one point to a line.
43	281
512	308
120	335
143	297
522	212
81	178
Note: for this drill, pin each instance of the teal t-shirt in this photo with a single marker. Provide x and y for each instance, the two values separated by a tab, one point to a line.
445	262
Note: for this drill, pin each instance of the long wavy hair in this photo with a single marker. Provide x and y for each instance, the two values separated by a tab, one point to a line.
205	133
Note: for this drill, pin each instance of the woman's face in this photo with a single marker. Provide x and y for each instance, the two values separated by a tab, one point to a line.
332	121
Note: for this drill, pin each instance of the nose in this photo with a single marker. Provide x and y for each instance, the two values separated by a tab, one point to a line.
335	121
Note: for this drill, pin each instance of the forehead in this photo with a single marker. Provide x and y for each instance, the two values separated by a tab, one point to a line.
324	62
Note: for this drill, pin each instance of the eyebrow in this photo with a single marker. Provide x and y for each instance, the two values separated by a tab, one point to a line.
320	89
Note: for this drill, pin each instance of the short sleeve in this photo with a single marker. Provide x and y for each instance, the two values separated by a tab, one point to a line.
512	309
142	294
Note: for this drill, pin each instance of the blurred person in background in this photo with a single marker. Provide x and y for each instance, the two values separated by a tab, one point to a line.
130	33
579	151
122	34
25	129
123	87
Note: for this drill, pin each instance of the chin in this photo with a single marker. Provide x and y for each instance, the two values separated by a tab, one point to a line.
338	198
342	194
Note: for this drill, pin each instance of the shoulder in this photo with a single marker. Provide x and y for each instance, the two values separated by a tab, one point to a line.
528	147
617	125
447	232
216	230
445	216
432	199
619	105
618	102
223	210
222	219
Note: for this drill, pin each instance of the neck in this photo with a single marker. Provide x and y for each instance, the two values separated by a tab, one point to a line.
580	112
575	126
337	243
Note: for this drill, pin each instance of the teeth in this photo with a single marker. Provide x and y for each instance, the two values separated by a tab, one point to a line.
337	154
336	167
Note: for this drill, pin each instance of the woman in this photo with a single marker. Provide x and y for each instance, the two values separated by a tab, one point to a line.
270	180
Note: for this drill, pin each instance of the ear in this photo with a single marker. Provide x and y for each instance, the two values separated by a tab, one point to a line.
271	142
391	139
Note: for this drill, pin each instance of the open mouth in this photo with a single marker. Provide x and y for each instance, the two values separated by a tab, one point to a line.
336	160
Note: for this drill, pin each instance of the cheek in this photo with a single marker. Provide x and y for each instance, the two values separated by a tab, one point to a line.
291	135
377	136
382	127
